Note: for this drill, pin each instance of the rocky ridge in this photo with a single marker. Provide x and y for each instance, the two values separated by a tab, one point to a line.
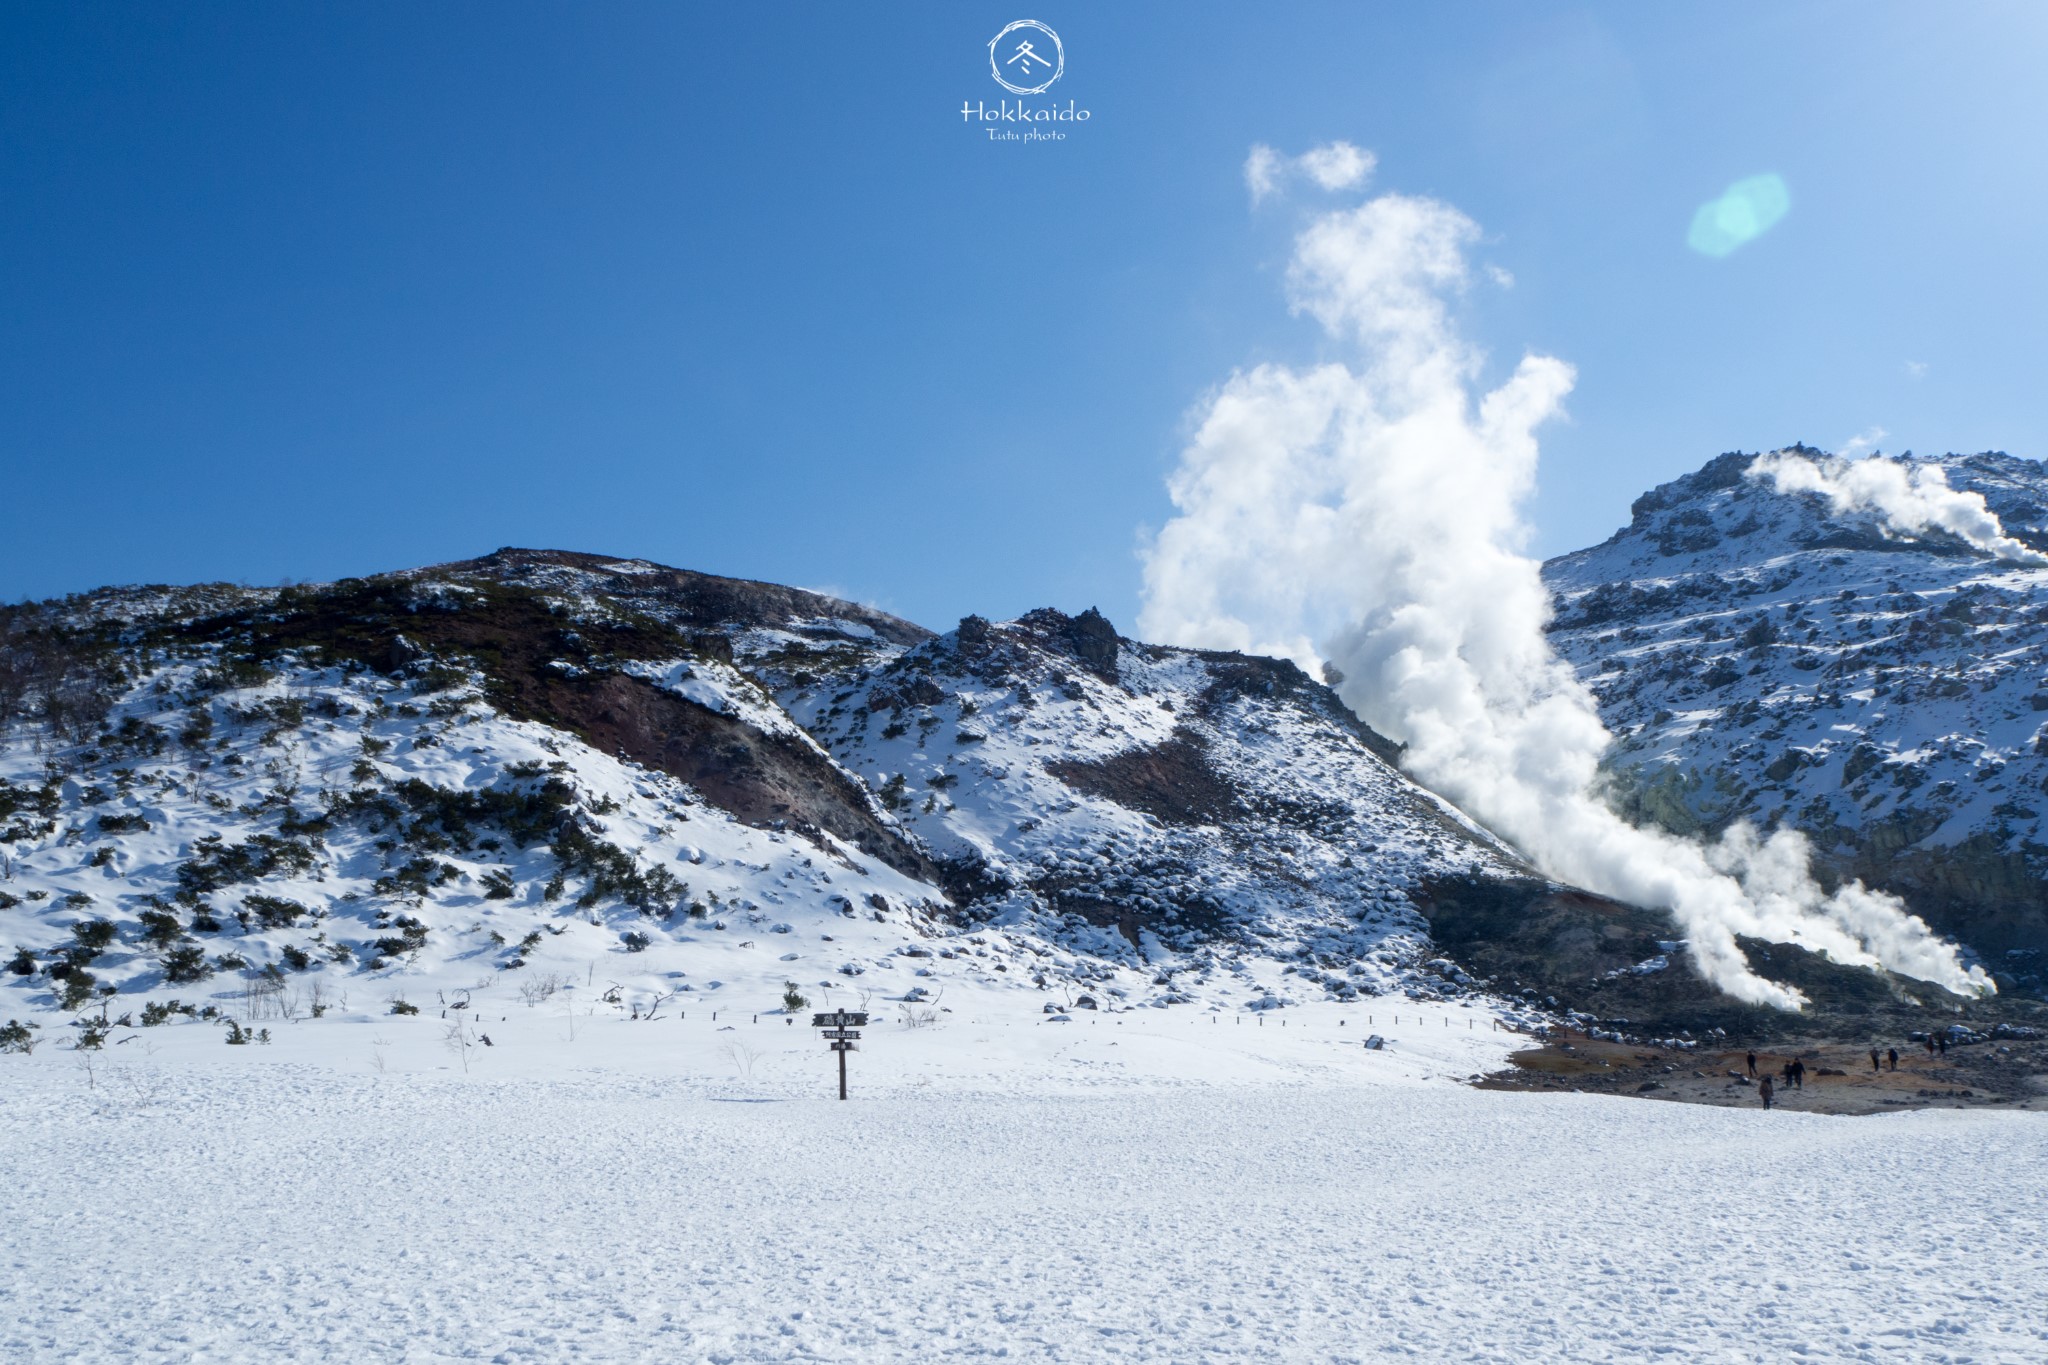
1762	656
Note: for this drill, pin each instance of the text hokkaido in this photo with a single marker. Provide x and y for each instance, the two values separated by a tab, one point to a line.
1006	112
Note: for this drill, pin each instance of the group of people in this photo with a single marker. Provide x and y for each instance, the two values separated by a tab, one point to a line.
1794	1073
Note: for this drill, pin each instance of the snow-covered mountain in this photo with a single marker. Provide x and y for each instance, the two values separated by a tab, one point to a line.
1792	659
556	772
611	776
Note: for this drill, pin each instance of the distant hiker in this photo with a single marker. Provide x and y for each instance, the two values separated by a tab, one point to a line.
1891	1054
1874	1066
1752	1064
1798	1074
488	1042
1930	1045
1943	1043
1786	1071
1764	1091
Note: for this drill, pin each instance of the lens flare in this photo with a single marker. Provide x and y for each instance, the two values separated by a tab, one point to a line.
1745	211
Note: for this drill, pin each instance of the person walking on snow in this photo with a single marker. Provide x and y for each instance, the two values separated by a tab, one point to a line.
1764	1091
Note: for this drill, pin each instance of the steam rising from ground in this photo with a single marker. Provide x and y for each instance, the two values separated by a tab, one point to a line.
1370	517
1910	498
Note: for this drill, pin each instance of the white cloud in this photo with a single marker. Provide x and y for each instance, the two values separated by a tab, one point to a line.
1370	514
1866	444
1333	166
1337	165
1262	171
1916	369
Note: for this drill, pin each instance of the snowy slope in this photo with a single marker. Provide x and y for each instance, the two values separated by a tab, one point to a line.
539	772
407	842
1762	655
1145	804
259	1211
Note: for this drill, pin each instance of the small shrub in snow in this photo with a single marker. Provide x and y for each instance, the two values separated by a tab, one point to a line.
160	928
498	884
635	942
96	934
792	998
540	988
154	1013
295	957
185	964
198	729
215	864
402	1006
74	988
417	878
274	912
15	1037
611	872
24	963
412	936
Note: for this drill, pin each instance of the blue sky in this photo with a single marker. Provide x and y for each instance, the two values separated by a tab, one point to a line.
291	292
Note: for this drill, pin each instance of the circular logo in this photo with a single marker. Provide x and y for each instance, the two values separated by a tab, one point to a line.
1026	57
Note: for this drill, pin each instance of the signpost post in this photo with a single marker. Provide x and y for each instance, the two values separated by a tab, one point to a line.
842	1028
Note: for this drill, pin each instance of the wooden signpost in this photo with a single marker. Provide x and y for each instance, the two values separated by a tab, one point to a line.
842	1029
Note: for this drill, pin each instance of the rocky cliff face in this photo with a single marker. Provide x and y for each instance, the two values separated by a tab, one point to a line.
1760	655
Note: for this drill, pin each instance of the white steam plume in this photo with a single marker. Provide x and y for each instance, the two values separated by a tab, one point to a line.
1371	515
1910	498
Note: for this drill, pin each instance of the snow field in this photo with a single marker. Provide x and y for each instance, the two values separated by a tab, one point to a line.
1155	1189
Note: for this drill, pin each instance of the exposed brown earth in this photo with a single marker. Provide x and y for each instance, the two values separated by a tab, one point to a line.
2002	1075
758	777
1173	781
